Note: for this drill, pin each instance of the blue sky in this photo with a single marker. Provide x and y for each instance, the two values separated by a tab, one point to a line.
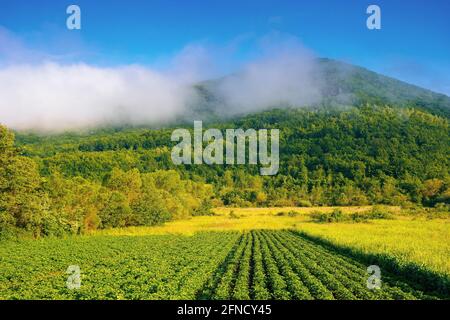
413	44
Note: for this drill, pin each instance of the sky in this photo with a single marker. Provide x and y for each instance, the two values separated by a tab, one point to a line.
210	38
413	43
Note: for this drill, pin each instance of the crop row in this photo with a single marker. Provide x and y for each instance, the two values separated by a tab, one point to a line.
113	267
212	265
284	265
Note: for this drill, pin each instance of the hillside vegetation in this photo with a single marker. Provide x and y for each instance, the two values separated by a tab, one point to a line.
71	183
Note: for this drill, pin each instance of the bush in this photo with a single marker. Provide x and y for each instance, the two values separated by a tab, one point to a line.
335	216
281	203
290	213
233	215
338	216
442	207
304	203
379	212
359	217
204	209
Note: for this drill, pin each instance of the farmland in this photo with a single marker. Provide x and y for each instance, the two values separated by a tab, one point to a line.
257	264
408	239
152	267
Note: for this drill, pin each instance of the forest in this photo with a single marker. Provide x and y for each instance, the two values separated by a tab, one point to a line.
73	183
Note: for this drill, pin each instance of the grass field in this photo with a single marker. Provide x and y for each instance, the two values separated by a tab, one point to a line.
236	219
238	254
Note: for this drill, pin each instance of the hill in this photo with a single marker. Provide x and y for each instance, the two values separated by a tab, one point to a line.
388	144
340	84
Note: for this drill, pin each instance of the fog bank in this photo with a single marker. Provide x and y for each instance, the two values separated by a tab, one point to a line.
53	96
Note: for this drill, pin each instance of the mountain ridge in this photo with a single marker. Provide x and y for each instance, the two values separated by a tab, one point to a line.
342	84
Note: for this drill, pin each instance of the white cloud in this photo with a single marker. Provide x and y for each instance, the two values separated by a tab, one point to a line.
286	74
56	97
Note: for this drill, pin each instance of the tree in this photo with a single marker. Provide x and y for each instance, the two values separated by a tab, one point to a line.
117	212
23	205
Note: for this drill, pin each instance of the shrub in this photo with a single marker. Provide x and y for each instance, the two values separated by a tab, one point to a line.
359	217
304	203
290	213
335	216
338	216
204	209
379	212
233	215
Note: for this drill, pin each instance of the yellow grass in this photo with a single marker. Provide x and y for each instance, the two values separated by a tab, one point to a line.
248	219
425	242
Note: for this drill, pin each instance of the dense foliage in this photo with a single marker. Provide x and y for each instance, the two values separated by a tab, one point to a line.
56	204
123	177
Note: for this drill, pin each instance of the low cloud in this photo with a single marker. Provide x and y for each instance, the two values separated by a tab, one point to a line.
285	75
54	96
57	97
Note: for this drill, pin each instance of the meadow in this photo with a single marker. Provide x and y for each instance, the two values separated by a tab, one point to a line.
239	253
235	219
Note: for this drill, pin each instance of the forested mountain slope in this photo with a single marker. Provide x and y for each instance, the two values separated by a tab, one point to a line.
388	144
360	155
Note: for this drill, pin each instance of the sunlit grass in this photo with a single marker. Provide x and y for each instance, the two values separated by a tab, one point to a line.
424	242
239	219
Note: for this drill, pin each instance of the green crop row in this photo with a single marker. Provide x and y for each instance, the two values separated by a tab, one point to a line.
285	265
113	267
259	264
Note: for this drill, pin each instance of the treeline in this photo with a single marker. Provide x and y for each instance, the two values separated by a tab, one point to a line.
354	156
54	204
329	157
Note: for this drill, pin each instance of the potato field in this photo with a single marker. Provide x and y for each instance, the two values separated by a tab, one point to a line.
208	265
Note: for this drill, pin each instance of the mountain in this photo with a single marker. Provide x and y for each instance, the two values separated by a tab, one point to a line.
341	84
365	153
365	86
